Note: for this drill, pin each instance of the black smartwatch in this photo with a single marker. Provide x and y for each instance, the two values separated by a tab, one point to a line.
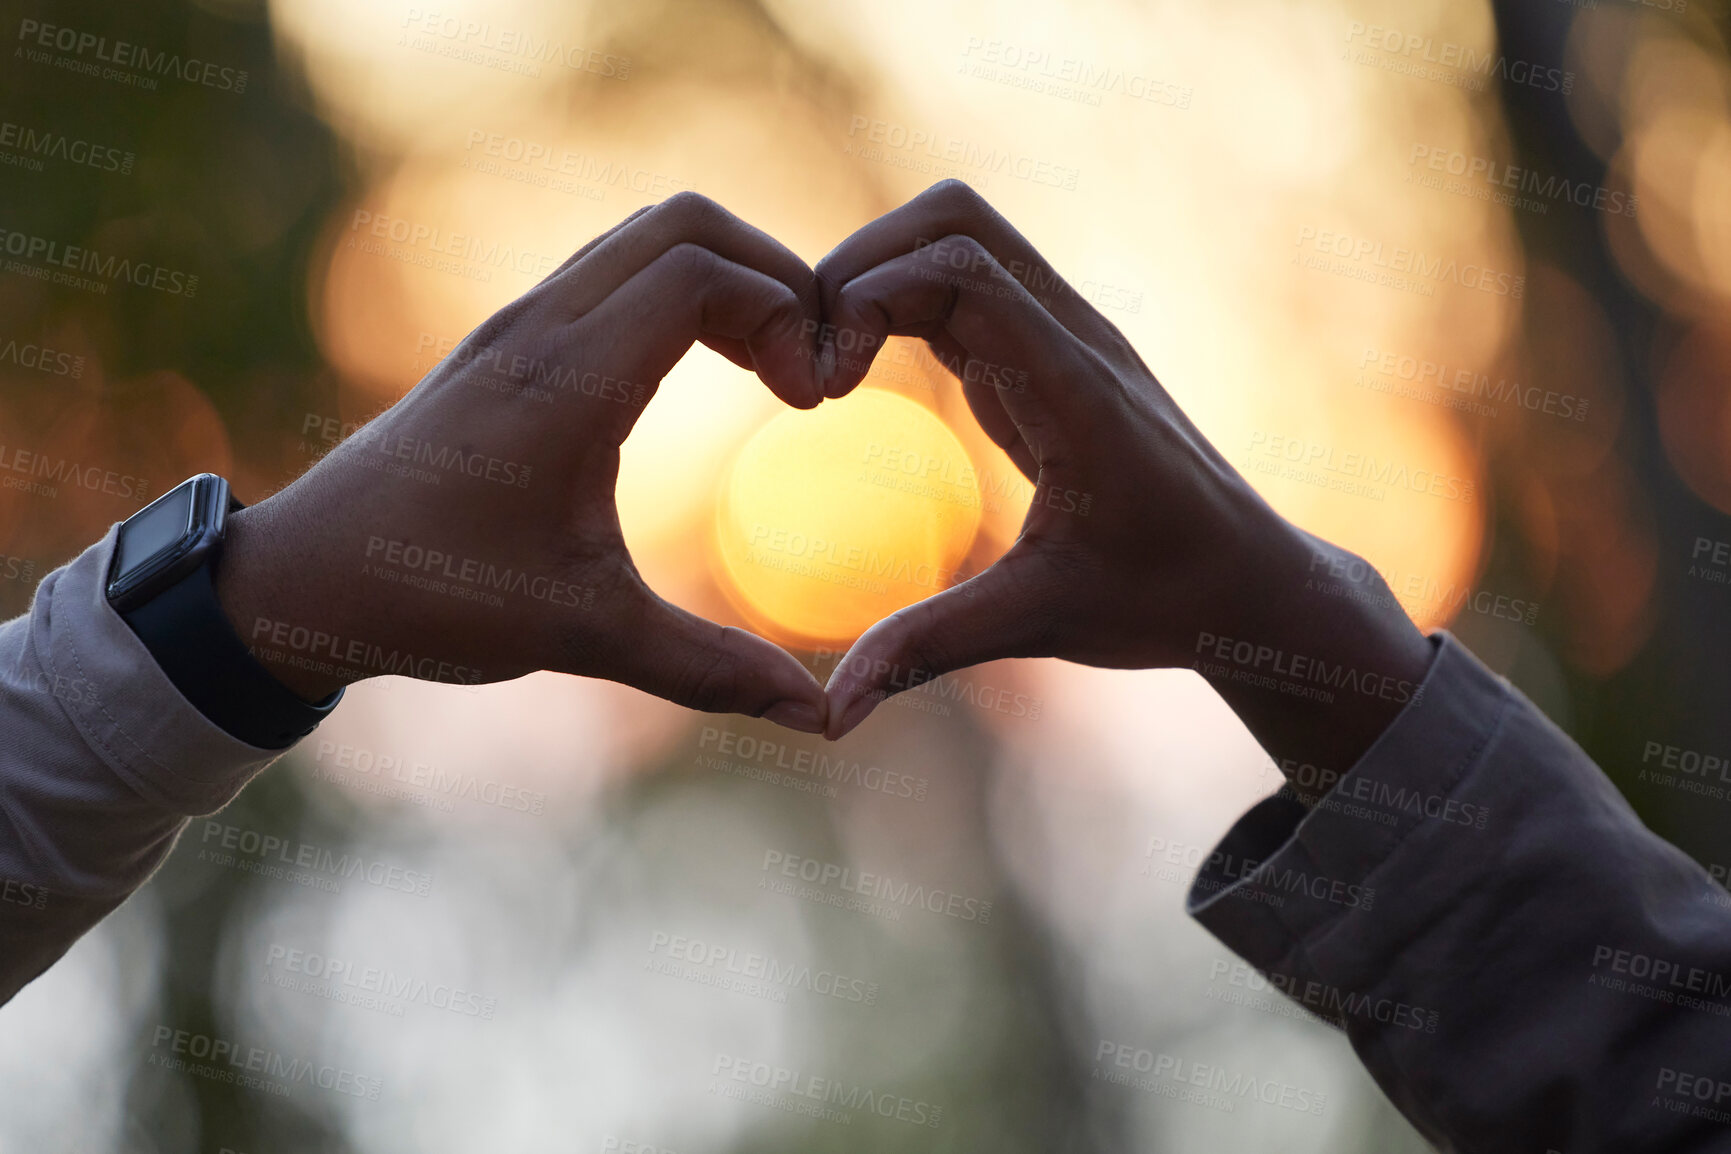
162	584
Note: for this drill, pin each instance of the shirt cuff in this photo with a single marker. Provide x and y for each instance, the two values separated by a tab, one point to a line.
1284	876
123	704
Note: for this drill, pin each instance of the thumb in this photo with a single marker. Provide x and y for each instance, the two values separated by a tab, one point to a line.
694	662
1006	611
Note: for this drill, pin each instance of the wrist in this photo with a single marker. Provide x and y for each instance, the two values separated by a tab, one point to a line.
1316	664
265	589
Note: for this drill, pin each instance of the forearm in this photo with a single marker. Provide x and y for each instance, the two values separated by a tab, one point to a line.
102	763
1315	678
1518	961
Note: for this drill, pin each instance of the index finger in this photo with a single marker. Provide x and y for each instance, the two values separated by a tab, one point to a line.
684	218
951	208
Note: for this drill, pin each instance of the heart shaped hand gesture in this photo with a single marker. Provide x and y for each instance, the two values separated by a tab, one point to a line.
470	532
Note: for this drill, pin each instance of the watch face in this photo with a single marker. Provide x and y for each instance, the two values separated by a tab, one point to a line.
158	528
167	540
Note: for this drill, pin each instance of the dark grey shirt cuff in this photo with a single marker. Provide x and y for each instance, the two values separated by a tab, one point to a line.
1519	962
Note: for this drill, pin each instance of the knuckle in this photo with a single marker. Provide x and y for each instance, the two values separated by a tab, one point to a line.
977	254
692	264
692	211
955	195
960	259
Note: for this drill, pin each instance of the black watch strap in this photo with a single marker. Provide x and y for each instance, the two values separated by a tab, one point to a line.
186	630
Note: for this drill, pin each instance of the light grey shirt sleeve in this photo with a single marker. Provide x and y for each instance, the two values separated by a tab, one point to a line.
1520	963
102	762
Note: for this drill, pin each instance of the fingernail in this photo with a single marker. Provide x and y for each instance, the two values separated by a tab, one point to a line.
833	385
856	713
795	715
824	369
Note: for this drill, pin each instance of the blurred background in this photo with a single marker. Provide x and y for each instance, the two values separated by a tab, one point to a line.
1486	245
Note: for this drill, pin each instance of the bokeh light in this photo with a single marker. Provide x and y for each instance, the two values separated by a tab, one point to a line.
832	520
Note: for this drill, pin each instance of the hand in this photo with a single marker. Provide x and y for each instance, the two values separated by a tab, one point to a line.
470	532
1142	542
